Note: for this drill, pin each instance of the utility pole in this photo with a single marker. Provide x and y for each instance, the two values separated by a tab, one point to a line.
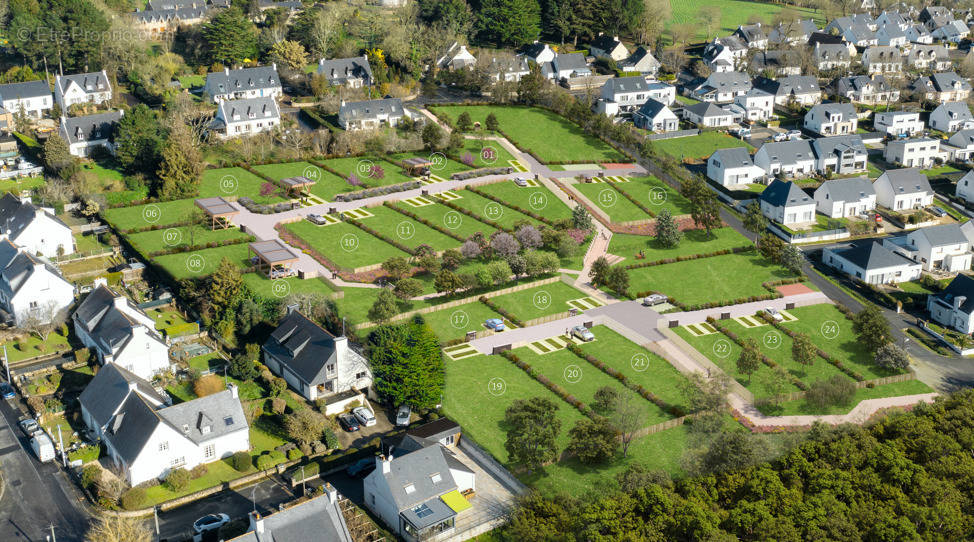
6	363
53	538
155	516
64	454
302	480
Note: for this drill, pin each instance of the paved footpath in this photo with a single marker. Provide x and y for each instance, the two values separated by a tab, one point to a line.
858	415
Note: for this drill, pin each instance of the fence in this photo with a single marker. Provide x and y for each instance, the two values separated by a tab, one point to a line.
79	256
809	237
546	319
672	135
463	301
734	385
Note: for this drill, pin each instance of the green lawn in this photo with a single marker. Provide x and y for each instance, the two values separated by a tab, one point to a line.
33	347
262	287
21	183
558	367
467	400
720	278
191	81
201	263
627	357
207	362
475	148
449	166
538	301
235	181
481	206
656	195
140	216
183	236
89	243
733	14
455	322
327	184
551	137
112	180
703	144
357	302
351	166
165	317
360	248
405	230
538	199
617	206
442	215
694	242
799	407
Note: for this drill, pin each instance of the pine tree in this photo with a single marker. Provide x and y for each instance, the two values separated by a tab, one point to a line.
668	234
225	289
182	165
231	37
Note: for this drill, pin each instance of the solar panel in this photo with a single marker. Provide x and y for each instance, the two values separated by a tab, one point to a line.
422	511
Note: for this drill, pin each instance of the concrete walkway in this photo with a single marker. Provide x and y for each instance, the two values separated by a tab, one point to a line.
747	309
858	415
523	335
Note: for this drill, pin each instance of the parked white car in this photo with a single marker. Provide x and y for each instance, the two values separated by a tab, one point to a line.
773	313
365	416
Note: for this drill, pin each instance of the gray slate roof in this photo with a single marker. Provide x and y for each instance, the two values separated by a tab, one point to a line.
107	325
784	193
641	60
733	157
311	520
90	127
242	79
29	89
827	145
88	82
788	152
263	107
847	110
304	346
221	412
955	110
853	189
962	285
339	70
940	82
16	266
16	215
110	388
962	139
871	255
627	84
370	109
570	61
651	108
706	109
906	180
945	234
416	468
860	82
789	85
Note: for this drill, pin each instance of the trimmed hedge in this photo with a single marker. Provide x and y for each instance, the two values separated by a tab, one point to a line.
510	317
517	208
773	294
837	363
476	217
554	388
425	222
634	201
687	257
764	359
211	244
480	172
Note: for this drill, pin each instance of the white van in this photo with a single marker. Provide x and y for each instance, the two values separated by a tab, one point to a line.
42	446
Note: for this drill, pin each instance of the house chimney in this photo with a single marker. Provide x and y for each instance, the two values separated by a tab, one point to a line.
133	385
959	300
233	390
100	281
119	301
226	71
385	465
331	492
256	522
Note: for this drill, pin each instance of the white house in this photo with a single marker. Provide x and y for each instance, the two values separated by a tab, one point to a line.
82	88
32	98
33	228
896	123
457	57
830	56
785	203
118	332
656	117
842	154
797	89
787	158
841	198
146	438
757	104
729	167
661	92
903	189
960	146
539	53
929	57
246	117
356	72
952	32
942	87
569	65
722	87
954	306
31	290
965	187
866	90
608	47
918	34
641	61
314	362
417	489
951	116
936	248
243	83
371	114
725	54
880	59
627	93
933	17
707	115
871	263
84	134
777	63
754	35
832	119
891	35
921	152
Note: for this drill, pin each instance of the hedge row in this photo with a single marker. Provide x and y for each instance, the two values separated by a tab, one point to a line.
554	388
152	227
378	191
264	176
299	243
687	257
675	410
764	359
769	285
211	244
634	201
510	317
445	231
837	363
517	208
264	209
480	172
384	237
475	216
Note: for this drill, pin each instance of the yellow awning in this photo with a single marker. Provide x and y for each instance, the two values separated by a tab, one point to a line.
457	502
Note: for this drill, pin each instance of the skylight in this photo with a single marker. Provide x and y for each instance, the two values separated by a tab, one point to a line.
422	511
436	478
410	489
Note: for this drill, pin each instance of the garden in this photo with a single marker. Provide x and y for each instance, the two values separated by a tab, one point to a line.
536	198
344	244
326	186
700	146
539	301
694	242
437	213
605	197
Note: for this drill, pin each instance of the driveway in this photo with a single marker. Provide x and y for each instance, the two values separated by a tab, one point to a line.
642	320
384	423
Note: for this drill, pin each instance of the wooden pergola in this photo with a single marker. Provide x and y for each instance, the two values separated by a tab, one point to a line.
220	211
297	185
416	166
273	258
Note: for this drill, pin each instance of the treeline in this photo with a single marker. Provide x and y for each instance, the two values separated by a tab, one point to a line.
907	477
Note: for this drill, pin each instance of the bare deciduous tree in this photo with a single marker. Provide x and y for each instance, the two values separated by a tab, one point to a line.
112	528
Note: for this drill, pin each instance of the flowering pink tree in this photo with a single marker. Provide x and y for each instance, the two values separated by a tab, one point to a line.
354	180
467	158
376	172
267	189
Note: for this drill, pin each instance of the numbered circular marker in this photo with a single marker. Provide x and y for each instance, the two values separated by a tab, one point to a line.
488	154
459	319
452	220
722	348
493	210
639	362
572	374
772	339
538	200
228	184
312	172
437	161
349	242
830	329
608	197
657	196
280	288
151	213
541	300
496	386
195	263
406	230
364	167
172	237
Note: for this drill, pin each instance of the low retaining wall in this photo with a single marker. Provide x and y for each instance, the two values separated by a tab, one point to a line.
672	135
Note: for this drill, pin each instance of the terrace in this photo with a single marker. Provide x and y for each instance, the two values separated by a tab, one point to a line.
273	258
220	212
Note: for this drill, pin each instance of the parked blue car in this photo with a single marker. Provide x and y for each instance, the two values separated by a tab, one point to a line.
496	324
7	391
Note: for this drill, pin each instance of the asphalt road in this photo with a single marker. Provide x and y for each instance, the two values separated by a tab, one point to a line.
36	495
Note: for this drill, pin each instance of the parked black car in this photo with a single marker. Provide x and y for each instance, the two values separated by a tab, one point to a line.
348	423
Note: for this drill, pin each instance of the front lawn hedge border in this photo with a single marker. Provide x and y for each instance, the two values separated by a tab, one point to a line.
382	236
688	257
554	388
476	217
769	285
193	248
493	306
764	359
517	208
480	172
634	201
423	221
837	363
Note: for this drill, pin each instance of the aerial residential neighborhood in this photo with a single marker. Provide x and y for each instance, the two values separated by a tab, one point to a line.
497	271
